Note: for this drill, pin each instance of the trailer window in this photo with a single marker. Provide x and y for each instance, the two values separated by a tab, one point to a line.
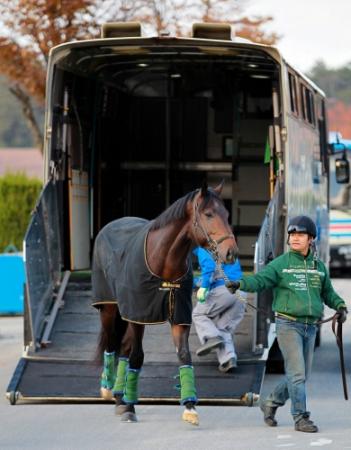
307	104
323	135
310	106
293	94
303	104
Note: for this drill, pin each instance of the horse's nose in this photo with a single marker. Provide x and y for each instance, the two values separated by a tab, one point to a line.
231	255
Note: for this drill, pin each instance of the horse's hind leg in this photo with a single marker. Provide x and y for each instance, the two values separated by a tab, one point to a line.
188	396
136	359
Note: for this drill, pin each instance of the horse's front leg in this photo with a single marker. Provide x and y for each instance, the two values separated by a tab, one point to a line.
107	344
136	359
188	396
122	368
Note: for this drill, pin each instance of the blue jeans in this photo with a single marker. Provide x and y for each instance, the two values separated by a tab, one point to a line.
296	341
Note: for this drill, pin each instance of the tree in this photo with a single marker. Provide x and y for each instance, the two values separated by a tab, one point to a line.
176	16
18	195
231	11
32	27
13	130
339	117
336	83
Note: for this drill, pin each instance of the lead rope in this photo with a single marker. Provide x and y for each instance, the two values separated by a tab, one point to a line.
337	330
237	293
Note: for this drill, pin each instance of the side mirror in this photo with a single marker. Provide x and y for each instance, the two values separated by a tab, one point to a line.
342	170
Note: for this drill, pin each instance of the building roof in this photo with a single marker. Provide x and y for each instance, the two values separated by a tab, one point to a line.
27	160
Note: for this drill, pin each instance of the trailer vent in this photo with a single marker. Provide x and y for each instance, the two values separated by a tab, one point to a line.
120	29
221	31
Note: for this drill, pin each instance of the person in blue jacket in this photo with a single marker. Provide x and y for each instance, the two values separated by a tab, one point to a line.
218	312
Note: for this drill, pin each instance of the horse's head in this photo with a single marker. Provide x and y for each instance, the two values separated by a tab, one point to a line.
211	228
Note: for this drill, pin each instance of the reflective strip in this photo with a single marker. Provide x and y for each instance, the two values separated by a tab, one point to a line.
315	271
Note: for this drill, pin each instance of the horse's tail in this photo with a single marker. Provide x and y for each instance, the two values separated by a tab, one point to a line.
112	331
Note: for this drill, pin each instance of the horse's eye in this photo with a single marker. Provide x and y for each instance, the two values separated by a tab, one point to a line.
209	215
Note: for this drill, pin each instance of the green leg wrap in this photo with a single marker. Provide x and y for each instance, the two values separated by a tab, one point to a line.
187	385
108	374
131	388
120	382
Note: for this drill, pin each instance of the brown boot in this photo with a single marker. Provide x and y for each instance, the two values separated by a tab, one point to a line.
269	414
306	425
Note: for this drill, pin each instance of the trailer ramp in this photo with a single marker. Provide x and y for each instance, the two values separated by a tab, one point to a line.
64	368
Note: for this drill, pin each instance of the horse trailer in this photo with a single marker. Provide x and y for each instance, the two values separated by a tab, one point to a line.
133	123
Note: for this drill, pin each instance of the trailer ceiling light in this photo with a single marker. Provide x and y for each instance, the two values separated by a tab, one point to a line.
142	65
176	75
261	77
252	66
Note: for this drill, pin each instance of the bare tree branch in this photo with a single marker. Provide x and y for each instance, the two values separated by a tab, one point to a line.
30	28
28	112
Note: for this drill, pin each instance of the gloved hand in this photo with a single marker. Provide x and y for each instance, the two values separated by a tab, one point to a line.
342	312
233	286
202	294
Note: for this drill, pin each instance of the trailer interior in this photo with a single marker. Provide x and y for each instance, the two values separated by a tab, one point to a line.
145	129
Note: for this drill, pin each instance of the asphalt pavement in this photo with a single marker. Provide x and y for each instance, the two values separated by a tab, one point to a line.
94	426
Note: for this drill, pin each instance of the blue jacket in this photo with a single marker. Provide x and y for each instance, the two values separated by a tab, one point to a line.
209	278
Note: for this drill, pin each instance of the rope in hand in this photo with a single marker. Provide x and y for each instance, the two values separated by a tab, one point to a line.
237	292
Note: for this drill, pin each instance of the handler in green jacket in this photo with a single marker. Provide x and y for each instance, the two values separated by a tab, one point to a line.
300	285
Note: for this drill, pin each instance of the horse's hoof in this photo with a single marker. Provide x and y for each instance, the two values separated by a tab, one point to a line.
106	394
191	416
129	417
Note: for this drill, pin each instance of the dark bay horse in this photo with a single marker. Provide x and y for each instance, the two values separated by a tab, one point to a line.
142	275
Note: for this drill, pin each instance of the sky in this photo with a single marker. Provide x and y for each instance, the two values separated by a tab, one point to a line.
310	30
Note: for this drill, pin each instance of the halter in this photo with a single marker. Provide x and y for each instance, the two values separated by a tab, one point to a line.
212	243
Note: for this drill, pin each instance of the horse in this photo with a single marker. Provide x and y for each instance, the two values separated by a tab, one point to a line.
142	274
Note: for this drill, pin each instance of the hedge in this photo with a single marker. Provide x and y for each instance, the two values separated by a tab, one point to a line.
18	196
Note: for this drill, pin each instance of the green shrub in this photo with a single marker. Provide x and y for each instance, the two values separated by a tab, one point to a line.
18	196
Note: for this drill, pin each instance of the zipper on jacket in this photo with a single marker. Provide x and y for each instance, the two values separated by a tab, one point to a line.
286	297
308	287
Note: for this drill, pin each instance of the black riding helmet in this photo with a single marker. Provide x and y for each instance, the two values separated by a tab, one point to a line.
302	224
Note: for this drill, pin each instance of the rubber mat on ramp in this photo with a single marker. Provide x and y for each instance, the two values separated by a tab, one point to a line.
60	380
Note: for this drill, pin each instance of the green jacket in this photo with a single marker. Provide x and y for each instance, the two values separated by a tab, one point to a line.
300	286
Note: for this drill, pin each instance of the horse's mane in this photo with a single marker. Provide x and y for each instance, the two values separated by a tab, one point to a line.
178	209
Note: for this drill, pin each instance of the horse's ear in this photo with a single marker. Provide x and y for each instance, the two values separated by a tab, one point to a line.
204	188
218	189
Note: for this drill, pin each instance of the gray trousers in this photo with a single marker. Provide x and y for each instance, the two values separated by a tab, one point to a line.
219	316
